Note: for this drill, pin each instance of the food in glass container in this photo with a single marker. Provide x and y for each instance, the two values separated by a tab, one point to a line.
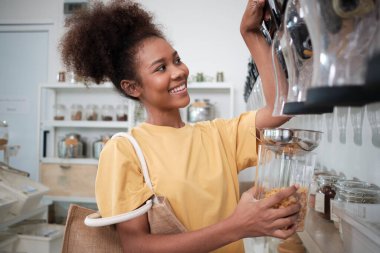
301	198
76	112
91	112
122	113
107	112
280	167
59	112
325	192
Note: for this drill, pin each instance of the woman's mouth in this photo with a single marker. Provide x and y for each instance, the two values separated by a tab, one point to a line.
179	89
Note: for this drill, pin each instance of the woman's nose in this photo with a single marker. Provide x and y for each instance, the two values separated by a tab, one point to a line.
178	73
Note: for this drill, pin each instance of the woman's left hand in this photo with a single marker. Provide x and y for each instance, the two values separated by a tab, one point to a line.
253	16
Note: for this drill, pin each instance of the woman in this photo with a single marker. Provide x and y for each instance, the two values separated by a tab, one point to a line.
194	166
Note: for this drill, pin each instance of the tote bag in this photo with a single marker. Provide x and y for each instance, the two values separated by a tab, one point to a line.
87	231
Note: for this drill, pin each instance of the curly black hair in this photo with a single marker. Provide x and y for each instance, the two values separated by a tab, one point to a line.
102	40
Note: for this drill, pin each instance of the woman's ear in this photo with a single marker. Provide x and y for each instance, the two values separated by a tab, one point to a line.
131	88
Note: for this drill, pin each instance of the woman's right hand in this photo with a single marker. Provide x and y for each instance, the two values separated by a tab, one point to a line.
258	217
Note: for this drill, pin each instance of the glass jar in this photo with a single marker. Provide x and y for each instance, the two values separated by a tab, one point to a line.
122	113
355	191
325	192
59	112
107	112
3	133
76	112
71	146
281	167
91	112
98	145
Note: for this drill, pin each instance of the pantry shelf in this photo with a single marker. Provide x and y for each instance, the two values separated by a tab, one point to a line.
320	235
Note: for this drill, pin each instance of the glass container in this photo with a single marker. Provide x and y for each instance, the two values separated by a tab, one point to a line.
92	112
200	110
122	112
3	133
325	192
284	160
59	112
98	145
279	49
342	32
71	146
357	191
76	112
107	112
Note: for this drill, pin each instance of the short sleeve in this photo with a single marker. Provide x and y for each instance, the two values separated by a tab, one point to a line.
240	135
120	185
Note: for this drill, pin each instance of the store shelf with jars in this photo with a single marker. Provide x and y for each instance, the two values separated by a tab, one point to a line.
209	100
74	118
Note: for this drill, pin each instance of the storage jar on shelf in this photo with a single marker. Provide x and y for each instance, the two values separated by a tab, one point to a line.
76	112
91	112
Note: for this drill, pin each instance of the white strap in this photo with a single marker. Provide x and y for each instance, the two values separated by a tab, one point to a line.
140	155
95	220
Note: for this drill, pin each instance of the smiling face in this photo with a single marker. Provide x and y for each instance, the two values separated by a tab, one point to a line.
162	76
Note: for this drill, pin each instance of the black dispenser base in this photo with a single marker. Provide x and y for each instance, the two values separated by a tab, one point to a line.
351	95
299	108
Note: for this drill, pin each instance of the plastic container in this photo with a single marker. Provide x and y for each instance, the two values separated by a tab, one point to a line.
39	238
28	192
7	200
8	242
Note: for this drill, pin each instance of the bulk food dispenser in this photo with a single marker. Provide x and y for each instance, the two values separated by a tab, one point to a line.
292	43
286	158
342	34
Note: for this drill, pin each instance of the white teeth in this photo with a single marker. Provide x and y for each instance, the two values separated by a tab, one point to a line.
177	89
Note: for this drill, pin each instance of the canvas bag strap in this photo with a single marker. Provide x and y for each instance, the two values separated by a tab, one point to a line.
95	220
140	155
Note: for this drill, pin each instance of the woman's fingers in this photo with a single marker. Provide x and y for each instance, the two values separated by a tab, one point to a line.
280	196
285	223
284	233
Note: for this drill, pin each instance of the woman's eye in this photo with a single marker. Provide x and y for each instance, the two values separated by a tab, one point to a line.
161	68
178	60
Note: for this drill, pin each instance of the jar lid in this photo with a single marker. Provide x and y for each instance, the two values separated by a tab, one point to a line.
357	191
328	179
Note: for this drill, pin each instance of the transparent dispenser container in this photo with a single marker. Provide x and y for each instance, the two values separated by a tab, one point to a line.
342	34
285	159
279	49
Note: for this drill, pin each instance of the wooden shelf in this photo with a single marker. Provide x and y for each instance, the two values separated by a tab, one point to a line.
320	235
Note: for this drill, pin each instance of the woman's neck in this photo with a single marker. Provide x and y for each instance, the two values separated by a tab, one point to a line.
165	118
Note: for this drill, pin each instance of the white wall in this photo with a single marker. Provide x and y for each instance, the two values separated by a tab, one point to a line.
205	33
